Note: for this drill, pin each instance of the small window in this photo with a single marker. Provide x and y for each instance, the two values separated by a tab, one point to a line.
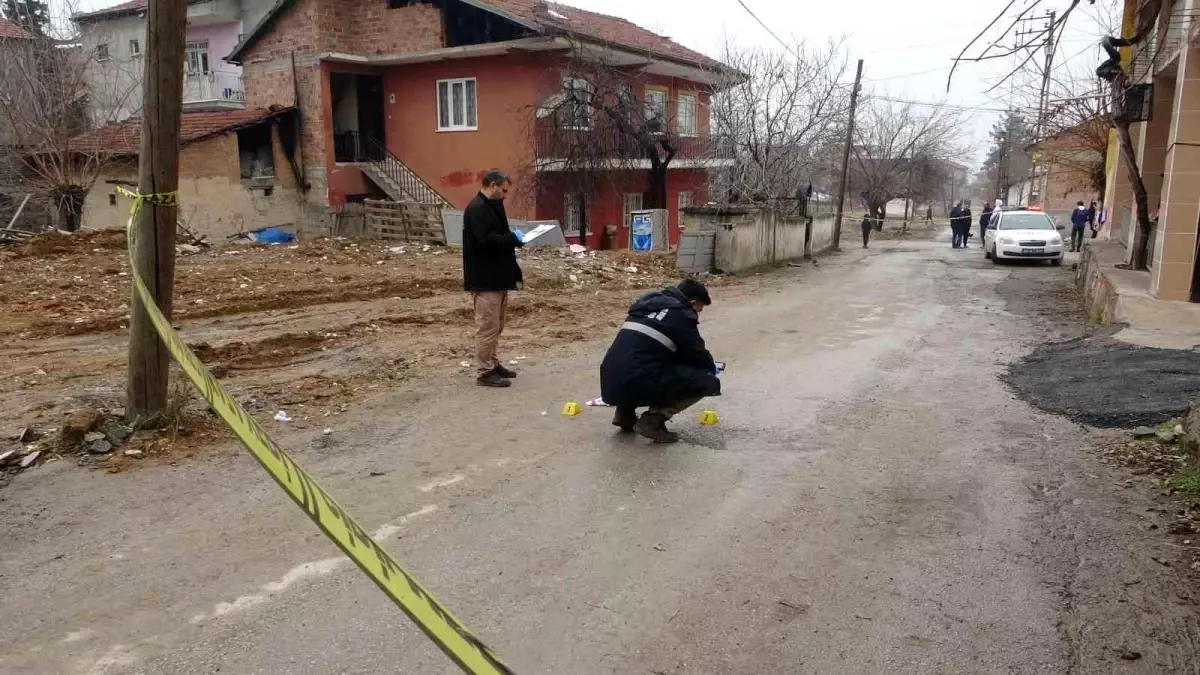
577	109
685	200
686	119
656	104
633	202
457	109
112	199
101	53
573	216
135	48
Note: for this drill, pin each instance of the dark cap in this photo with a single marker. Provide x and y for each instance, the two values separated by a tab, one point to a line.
694	291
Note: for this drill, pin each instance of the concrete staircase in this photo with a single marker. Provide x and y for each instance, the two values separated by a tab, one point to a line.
398	181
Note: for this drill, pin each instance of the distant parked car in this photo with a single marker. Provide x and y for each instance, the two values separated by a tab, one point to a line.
1022	235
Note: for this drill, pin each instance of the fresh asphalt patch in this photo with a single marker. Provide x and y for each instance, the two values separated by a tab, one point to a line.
1105	383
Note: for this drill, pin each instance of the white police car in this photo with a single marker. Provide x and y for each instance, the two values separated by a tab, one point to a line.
1023	235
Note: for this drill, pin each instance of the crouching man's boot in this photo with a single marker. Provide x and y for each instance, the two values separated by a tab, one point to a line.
653	425
625	419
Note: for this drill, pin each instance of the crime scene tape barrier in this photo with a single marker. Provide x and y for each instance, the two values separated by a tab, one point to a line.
418	603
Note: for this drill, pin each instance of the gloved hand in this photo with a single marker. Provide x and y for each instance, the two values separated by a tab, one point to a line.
718	367
520	235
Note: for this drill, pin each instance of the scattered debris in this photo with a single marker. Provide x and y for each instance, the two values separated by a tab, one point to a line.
598	402
1143	432
282	416
1128	655
7	456
28	435
327	432
93	436
133	453
188	249
30	459
100	447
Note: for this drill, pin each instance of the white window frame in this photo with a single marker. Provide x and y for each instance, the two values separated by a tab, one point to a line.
102	55
690	120
684	200
573	204
571	84
203	61
637	199
464	117
657	108
135	48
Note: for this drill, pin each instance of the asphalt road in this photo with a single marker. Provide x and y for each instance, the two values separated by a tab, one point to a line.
874	500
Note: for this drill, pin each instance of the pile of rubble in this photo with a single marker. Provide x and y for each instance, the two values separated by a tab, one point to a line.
578	268
86	432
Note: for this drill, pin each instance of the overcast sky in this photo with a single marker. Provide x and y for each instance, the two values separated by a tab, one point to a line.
899	41
907	46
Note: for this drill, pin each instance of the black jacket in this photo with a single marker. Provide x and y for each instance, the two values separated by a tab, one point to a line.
639	370
489	247
985	218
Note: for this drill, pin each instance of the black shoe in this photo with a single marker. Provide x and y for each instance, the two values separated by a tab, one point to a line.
625	419
654	427
504	372
492	379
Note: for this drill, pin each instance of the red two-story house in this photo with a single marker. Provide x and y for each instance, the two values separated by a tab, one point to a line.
417	98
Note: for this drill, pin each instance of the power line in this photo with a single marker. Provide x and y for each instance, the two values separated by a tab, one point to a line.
932	104
768	29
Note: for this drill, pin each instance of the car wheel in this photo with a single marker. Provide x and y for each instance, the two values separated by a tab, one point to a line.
1057	262
986	253
995	258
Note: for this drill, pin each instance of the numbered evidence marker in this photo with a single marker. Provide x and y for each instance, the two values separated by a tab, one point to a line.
708	418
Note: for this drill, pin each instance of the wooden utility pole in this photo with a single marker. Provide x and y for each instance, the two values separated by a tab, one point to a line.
837	226
158	173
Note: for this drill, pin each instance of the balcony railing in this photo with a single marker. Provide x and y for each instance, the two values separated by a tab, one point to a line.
218	88
568	146
353	146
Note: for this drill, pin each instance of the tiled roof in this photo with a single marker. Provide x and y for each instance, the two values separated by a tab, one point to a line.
125	137
122	8
554	18
11	31
548	18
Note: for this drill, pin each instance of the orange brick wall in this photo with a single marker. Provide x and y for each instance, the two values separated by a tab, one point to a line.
369	28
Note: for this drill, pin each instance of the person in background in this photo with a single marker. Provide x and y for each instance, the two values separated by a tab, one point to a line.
984	219
490	271
866	229
967	220
1092	219
1079	221
658	360
929	213
956	225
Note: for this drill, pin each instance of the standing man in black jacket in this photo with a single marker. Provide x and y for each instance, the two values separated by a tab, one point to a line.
659	360
490	271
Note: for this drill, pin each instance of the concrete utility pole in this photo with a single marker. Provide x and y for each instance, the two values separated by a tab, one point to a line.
841	203
158	173
1039	127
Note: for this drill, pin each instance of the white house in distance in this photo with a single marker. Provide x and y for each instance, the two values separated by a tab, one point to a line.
116	38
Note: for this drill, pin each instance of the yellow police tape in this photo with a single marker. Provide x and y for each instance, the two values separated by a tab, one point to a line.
418	603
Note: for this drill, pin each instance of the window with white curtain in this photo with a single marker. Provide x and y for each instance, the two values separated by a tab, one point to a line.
457	105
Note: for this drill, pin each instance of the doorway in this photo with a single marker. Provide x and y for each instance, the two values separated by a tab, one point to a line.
358	117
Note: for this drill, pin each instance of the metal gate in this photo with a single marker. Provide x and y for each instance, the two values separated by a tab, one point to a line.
696	252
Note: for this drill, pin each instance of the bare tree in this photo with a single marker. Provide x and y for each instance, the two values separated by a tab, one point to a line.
607	122
779	110
44	101
891	139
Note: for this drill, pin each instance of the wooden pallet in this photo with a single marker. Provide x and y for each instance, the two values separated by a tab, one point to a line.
405	221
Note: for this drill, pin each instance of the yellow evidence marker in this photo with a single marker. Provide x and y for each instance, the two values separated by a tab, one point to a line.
572	409
708	418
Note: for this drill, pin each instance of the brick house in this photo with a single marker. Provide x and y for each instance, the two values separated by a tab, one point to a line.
236	172
416	98
1067	168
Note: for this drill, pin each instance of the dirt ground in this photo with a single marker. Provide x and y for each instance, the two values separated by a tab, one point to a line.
303	327
875	499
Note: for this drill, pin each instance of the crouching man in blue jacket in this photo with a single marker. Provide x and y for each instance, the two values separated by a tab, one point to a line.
658	360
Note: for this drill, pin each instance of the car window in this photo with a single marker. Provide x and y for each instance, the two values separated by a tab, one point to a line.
1026	221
